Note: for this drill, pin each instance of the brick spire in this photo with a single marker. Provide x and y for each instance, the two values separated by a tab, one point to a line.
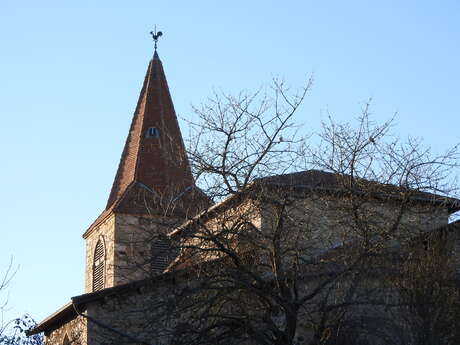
154	154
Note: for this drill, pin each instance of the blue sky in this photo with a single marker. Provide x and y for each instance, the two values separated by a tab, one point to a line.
71	73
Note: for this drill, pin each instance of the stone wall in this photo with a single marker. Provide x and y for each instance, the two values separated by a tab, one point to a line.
74	329
454	237
228	223
141	313
106	232
128	241
135	240
151	310
327	222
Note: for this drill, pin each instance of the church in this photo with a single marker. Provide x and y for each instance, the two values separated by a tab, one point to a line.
134	272
153	178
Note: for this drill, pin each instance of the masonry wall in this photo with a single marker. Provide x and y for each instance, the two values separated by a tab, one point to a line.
106	232
228	222
140	314
74	329
454	236
328	222
152	312
136	246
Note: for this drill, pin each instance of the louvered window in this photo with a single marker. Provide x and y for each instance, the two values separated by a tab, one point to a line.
161	255
98	266
152	132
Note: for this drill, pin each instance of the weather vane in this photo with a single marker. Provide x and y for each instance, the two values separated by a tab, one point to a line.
156	35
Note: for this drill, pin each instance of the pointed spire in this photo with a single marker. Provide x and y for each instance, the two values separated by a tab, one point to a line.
154	155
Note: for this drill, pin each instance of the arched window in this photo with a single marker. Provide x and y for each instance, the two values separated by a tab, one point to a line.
98	266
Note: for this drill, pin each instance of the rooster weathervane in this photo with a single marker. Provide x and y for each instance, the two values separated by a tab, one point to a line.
156	35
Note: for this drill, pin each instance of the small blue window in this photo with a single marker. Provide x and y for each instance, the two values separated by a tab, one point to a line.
153	132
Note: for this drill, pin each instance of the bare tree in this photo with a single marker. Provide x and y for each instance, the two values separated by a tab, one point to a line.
428	291
4	282
237	139
12	332
288	256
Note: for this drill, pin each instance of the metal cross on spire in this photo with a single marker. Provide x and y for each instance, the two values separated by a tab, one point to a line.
156	35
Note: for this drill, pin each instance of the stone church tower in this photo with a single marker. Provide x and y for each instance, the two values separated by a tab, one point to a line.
153	189
152	193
